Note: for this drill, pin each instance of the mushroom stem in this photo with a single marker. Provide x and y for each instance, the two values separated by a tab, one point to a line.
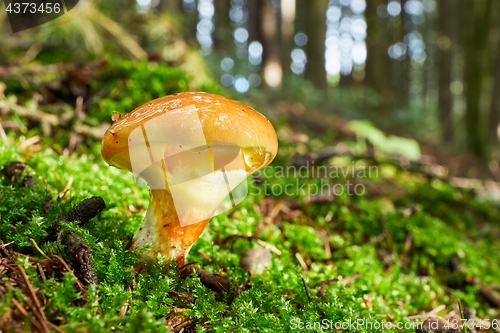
161	228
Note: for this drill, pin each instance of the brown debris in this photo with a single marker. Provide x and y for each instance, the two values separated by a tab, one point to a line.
79	254
491	296
14	276
345	281
182	296
255	260
488	292
214	282
29	309
13	169
176	321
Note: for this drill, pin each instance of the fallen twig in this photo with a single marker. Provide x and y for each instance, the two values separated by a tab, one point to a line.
35	303
307	290
188	298
68	269
344	281
214	282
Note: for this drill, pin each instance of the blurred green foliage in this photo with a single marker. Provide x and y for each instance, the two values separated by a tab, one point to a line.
392	144
131	84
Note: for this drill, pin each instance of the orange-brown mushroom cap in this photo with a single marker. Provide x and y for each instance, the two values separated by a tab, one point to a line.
222	119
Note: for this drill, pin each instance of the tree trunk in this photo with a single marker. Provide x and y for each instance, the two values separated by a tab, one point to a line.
222	31
377	61
446	39
170	6
268	36
254	27
315	24
189	23
288	11
476	34
495	100
401	75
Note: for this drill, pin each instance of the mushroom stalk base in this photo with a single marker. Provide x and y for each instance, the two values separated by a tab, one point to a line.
161	229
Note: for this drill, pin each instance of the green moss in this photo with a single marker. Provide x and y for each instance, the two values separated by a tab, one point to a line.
403	258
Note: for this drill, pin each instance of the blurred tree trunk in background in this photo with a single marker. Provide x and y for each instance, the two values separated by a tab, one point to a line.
377	61
401	69
288	15
253	9
428	69
445	41
120	10
392	31
189	21
495	94
495	101
276	4
494	115
222	31
267	31
373	33
476	18
170	6
315	26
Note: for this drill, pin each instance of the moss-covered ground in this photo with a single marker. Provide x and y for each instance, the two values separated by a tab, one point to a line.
408	246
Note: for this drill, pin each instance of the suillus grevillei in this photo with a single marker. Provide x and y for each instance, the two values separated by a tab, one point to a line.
193	149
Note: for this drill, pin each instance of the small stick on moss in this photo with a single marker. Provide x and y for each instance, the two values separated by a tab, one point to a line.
491	296
322	285
217	283
301	261
39	249
462	316
29	142
66	188
205	256
123	309
349	279
181	326
326	244
220	241
42	273
68	269
268	246
54	327
32	259
306	289
6	244
19	307
3	135
35	303
188	298
214	282
344	281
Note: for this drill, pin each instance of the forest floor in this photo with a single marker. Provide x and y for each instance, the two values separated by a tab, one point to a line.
417	244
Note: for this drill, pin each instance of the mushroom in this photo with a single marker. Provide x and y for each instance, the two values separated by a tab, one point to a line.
194	150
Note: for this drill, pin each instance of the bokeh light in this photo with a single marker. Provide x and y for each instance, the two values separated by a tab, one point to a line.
300	39
394	8
205	26
345	36
241	84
